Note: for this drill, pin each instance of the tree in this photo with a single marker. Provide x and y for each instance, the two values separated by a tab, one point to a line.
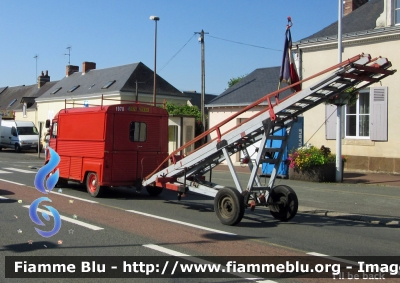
175	109
234	81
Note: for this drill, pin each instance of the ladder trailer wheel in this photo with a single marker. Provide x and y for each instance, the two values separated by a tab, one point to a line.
229	206
92	185
286	203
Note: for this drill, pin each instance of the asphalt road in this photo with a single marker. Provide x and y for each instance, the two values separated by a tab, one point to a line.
131	221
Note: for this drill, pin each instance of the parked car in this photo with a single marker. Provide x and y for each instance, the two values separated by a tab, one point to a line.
20	135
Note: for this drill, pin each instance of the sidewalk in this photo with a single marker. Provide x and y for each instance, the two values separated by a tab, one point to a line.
378	179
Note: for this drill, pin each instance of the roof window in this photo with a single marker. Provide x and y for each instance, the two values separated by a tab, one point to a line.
91	86
108	84
56	90
12	102
73	88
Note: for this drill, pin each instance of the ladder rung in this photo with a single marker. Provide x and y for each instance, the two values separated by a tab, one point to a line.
268	160
317	94
306	101
330	88
293	107
268	149
279	138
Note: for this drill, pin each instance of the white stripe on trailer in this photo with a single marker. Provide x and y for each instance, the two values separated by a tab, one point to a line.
246	276
71	220
182	223
19	170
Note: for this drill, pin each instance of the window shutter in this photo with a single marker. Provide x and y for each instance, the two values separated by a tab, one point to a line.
378	122
330	124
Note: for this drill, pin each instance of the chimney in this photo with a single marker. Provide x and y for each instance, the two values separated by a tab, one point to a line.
42	79
71	69
87	66
351	5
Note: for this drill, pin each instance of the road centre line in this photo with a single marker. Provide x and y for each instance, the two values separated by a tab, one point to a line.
334	258
12	182
246	276
20	170
182	223
71	220
68	196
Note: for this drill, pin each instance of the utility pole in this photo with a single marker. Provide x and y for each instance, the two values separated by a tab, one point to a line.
36	57
339	107
203	79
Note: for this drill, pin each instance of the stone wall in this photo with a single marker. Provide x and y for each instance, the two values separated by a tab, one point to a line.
373	164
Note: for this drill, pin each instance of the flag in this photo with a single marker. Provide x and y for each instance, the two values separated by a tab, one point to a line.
288	71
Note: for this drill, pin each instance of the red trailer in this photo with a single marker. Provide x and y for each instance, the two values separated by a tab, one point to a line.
106	146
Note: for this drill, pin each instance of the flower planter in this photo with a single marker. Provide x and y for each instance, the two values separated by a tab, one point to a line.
323	173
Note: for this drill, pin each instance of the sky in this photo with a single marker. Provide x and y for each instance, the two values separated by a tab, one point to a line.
119	32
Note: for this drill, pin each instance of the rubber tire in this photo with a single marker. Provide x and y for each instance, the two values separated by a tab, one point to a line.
62	183
92	185
229	206
153	190
17	148
283	212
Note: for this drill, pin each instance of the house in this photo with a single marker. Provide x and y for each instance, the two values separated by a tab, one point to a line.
19	101
195	99
370	133
249	89
121	84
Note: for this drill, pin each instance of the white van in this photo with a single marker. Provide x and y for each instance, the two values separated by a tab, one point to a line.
18	135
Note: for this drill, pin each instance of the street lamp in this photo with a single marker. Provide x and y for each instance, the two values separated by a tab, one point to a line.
155	18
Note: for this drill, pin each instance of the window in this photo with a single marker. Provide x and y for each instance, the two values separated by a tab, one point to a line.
56	90
108	84
368	119
73	88
27	131
397	12
137	132
54	131
357	117
12	102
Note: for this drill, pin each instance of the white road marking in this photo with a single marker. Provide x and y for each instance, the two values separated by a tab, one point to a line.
19	170
68	196
3	197
12	182
334	258
71	220
182	223
4	172
246	276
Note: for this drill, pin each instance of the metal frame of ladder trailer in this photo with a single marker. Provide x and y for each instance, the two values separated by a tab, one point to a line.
186	173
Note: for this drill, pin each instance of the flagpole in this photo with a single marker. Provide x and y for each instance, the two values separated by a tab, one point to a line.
339	164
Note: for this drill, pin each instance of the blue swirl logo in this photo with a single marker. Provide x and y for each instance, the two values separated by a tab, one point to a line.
43	176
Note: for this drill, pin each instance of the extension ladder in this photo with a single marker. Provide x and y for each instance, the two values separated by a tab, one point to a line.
186	173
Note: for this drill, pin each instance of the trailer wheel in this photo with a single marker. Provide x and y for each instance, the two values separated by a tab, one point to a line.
154	190
286	203
92	185
229	206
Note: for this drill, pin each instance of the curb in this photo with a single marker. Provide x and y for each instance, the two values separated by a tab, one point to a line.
349	216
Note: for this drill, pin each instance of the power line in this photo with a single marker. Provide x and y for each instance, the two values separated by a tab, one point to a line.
237	42
177	52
